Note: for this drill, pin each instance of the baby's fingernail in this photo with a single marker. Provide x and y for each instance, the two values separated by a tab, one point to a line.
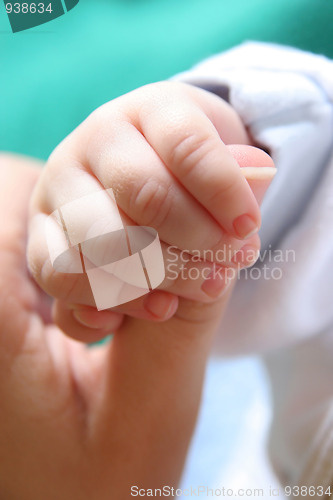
94	319
160	305
245	226
217	282
246	256
80	318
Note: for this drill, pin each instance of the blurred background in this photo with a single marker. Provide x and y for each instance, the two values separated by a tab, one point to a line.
53	76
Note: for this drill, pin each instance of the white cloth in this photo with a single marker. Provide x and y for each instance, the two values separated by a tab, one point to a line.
282	308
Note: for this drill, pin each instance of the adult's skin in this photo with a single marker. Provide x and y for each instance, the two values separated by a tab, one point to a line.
88	423
79	423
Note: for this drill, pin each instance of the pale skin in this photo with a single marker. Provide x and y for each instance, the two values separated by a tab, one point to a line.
89	423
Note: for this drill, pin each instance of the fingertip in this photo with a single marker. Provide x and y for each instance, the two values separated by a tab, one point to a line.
258	169
250	156
92	318
161	305
245	226
84	323
259	180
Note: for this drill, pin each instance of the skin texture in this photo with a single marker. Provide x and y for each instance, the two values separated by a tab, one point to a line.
89	423
177	176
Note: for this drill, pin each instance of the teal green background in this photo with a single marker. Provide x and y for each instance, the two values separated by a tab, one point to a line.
54	75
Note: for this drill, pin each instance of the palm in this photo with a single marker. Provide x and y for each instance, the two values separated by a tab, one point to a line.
39	398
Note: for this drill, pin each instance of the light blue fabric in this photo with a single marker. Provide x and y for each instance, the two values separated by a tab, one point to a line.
230	389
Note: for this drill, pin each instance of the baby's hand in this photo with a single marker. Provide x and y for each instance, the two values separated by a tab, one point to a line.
162	149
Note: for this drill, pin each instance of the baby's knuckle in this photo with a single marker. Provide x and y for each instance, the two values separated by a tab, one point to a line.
150	203
188	151
227	188
162	89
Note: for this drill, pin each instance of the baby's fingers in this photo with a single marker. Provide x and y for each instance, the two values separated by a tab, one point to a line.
86	324
182	132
